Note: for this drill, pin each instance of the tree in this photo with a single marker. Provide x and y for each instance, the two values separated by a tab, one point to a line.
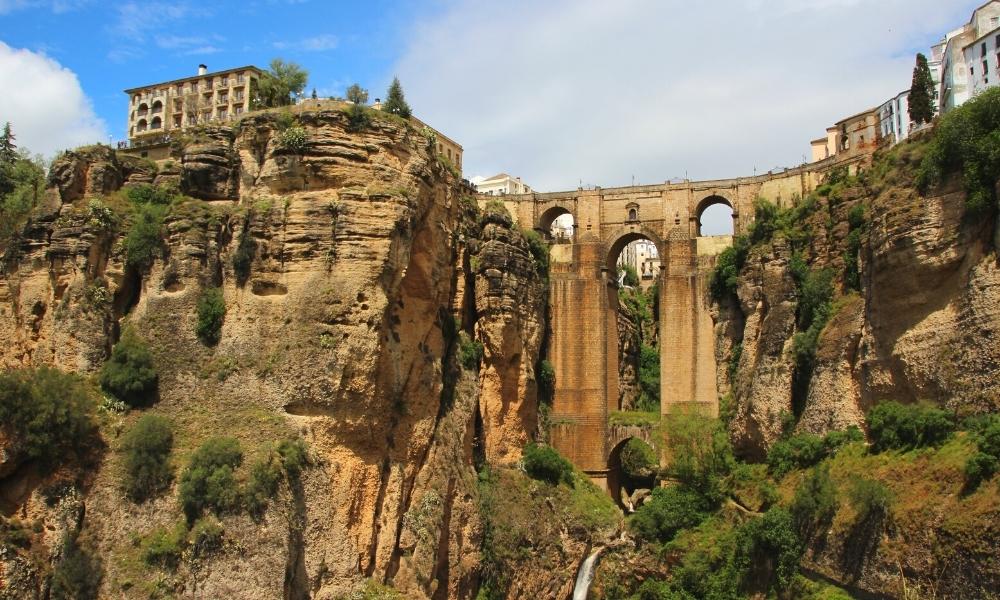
130	374
922	92
314	95
395	103
357	94
8	150
281	82
146	448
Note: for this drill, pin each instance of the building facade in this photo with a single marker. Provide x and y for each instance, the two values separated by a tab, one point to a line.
204	98
855	134
894	118
501	184
965	52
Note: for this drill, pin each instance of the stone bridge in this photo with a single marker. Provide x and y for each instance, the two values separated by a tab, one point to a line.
584	298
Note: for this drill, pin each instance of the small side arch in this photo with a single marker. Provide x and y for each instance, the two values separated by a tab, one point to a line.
719	209
550	215
623	485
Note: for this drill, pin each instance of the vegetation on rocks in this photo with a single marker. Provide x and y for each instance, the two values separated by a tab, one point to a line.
78	574
965	142
211	314
47	415
146	448
638	459
395	102
209	482
130	373
896	426
22	182
545	464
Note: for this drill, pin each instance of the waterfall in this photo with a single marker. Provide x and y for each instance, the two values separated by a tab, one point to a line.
585	576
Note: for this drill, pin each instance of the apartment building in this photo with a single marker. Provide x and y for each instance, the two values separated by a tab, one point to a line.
894	118
203	98
500	184
969	57
858	133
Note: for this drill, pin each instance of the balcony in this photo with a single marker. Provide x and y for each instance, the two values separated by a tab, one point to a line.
222	99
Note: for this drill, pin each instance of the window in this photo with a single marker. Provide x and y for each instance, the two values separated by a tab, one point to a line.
180	89
239	79
222	113
225	82
986	69
633	214
238	110
208	84
223	98
194	87
238	96
984	49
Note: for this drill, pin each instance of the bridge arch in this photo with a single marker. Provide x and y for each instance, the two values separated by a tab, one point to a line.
549	215
621	483
710	203
624	236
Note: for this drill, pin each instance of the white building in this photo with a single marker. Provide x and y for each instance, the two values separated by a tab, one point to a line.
966	52
500	185
983	58
894	118
642	256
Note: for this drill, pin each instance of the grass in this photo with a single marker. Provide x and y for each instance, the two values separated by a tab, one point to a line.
634	418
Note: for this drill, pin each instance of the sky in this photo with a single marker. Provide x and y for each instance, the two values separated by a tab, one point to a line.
563	93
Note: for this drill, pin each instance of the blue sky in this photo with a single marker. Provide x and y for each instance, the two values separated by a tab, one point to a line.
561	93
115	45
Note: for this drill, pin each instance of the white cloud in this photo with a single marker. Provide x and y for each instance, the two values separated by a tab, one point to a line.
588	90
319	43
45	104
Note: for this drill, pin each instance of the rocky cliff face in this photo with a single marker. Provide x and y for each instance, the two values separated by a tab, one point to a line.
919	329
342	333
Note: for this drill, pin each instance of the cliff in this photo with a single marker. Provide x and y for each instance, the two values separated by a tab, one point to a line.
344	260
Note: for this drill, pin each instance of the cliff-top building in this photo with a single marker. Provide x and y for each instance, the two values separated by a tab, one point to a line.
203	98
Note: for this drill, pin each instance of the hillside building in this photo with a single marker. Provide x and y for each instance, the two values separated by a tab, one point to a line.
221	96
894	118
968	57
501	184
855	134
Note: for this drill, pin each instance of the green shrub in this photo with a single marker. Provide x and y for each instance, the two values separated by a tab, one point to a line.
208	482
144	238
47	415
539	250
358	118
638	459
545	464
701	456
546	382
206	537
265	476
211	315
725	277
965	142
815	502
857	225
649	379
871	500
294	457
470	351
896	426
294	139
767	552
78	574
129	374
374	590
985	463
147	448
667	511
145	193
496	212
243	256
805	450
165	547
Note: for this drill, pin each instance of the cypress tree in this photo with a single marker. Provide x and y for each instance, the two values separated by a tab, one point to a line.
922	92
395	103
8	150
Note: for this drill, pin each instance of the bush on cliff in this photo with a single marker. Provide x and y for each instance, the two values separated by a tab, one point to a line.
896	426
985	463
211	314
208	482
46	414
470	351
145	193
545	464
815	502
130	374
144	238
667	511
805	450
965	142
78	574
701	456
147	449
